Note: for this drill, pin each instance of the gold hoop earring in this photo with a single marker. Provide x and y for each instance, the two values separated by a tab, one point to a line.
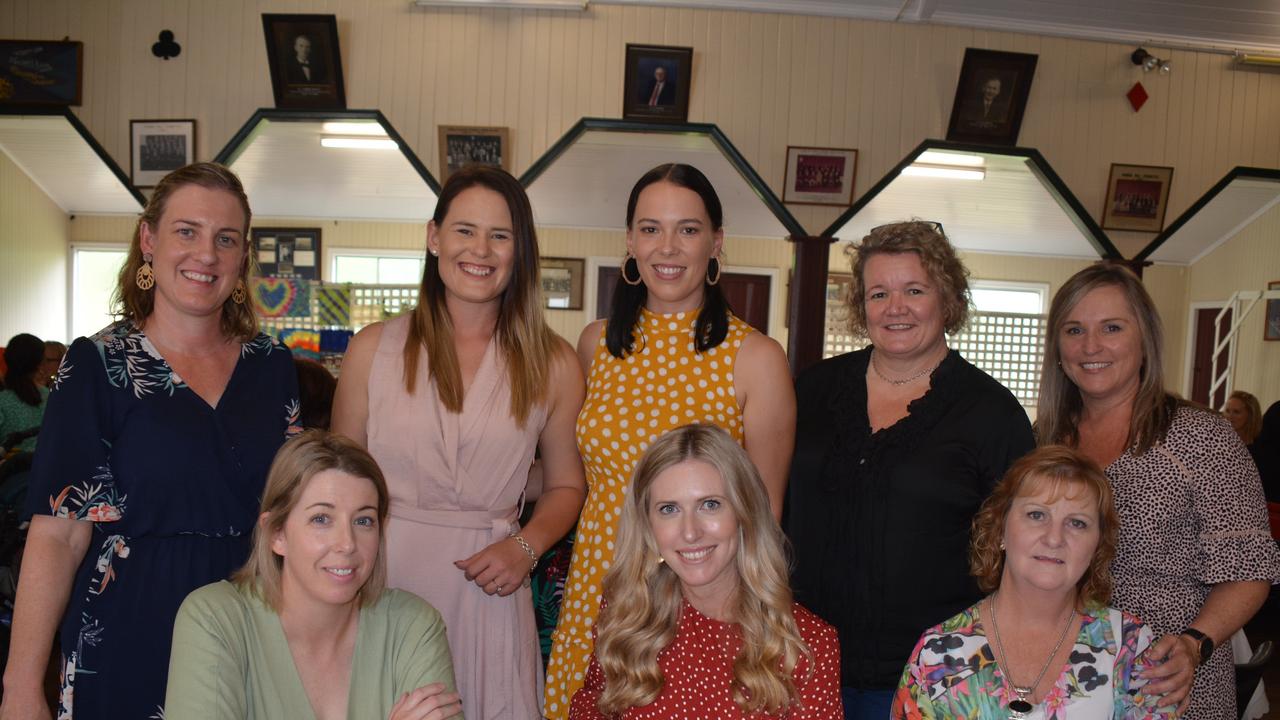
716	279
628	259
145	278
239	295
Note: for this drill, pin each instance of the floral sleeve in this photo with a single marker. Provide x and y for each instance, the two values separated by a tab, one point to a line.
72	475
911	702
1131	701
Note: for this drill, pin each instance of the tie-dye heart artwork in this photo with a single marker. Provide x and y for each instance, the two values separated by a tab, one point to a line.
282	297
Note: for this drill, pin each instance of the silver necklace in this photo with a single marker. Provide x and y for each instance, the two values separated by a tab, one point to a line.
875	368
1019	708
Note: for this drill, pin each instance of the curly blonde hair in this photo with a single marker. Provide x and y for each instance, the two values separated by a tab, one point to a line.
643	597
1060	468
947	273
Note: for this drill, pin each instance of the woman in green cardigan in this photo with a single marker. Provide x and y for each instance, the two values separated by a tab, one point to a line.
307	629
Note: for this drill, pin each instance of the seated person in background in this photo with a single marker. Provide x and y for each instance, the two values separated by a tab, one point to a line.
1042	546
53	353
308	623
22	402
1245	415
698	620
315	392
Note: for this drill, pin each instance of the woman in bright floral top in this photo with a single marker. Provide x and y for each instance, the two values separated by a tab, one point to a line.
1042	546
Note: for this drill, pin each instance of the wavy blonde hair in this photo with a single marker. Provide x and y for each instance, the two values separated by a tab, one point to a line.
528	346
1062	470
299	460
643	597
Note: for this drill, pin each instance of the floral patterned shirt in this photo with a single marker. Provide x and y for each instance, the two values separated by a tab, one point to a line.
952	673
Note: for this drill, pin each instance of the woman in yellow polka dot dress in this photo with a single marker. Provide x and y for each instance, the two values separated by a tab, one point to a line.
669	354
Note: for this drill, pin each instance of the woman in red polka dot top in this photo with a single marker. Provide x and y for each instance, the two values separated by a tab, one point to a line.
698	619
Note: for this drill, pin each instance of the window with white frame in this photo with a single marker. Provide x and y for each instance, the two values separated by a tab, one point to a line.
1005	335
376	267
94	271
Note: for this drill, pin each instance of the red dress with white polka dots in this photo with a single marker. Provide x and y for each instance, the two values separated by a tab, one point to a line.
698	667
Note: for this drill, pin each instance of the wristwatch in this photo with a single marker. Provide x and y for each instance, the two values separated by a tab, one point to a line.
1205	642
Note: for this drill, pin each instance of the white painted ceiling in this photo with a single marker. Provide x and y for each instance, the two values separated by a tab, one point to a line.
1241	202
588	185
1227	24
63	164
286	173
1010	211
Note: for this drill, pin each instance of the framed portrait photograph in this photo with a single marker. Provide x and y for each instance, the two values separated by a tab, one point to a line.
461	146
991	96
288	252
656	83
1137	196
306	67
40	72
820	176
562	282
1272	330
158	147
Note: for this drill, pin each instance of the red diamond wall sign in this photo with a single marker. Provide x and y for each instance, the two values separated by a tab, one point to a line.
1137	96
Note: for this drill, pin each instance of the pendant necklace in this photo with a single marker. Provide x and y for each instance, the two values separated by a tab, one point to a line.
1021	707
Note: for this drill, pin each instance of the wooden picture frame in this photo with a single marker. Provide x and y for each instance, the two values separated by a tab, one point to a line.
820	176
1137	197
991	96
304	61
463	145
287	252
1271	331
656	80
561	282
158	147
41	72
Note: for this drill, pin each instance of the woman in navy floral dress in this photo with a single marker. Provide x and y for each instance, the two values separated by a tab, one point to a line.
154	451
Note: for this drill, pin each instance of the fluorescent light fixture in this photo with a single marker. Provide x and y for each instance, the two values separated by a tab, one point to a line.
933	157
1259	60
944	171
361	143
354	128
578	5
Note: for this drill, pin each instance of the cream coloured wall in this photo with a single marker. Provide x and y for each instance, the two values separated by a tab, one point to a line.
768	80
33	258
1248	261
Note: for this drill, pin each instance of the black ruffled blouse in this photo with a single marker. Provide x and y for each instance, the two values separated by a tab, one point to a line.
880	522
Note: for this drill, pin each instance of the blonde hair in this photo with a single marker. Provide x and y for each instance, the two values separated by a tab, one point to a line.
1253	408
1060	401
644	599
528	346
299	460
1057	466
937	256
129	302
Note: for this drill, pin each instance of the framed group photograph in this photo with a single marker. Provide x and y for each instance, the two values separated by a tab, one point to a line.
1137	196
40	72
656	83
1272	330
820	176
288	252
991	96
461	146
562	282
158	147
306	67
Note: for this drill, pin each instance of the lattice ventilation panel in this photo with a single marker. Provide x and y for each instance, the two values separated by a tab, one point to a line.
1007	346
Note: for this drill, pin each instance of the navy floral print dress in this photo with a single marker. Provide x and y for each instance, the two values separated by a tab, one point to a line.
172	486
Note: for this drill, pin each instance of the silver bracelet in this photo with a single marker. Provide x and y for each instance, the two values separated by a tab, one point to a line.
524	544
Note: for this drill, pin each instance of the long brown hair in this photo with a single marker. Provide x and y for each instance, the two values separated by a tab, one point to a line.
644	596
130	302
528	346
1060	401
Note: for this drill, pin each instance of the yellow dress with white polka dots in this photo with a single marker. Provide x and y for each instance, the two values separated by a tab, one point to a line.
631	402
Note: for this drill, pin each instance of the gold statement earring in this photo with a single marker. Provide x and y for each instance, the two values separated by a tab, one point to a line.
629	261
713	280
239	295
145	277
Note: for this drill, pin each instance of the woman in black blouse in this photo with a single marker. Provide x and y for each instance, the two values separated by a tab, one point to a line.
897	445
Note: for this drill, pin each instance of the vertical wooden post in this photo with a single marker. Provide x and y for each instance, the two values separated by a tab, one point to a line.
808	301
